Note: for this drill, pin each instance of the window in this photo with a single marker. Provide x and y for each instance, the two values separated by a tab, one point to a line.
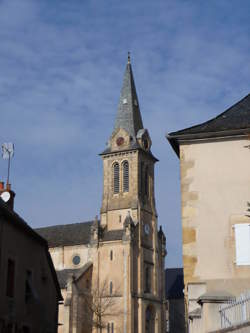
147	280
116	178
125	167
10	284
146	181
111	288
242	243
112	327
26	329
28	286
76	260
142	172
111	255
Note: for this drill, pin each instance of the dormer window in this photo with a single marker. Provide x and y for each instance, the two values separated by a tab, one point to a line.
125	168
116	175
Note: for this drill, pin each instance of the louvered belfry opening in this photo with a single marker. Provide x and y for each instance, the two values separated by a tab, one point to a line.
125	167
116	178
146	181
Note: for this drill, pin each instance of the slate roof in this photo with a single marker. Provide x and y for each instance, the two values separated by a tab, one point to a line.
174	283
128	114
234	121
112	235
75	234
64	274
67	234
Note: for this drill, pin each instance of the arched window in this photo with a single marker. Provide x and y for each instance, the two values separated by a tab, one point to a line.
146	181
125	168
111	287
116	173
111	255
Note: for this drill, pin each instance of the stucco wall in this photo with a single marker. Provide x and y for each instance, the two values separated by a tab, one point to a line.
215	182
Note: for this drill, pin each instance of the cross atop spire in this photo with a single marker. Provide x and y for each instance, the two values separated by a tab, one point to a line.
128	57
128	114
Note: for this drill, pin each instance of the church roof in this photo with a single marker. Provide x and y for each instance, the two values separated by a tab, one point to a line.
75	234
128	114
234	121
66	234
64	274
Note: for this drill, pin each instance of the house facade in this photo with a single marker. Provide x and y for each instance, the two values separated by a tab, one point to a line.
123	252
214	168
29	290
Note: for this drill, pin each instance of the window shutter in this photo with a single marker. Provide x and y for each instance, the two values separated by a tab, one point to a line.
242	243
116	178
125	176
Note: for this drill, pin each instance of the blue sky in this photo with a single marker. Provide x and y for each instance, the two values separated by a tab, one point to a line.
62	64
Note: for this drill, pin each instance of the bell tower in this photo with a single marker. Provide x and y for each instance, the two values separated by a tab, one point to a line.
128	164
128	209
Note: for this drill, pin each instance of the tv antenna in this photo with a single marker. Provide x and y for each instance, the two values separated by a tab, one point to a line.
7	154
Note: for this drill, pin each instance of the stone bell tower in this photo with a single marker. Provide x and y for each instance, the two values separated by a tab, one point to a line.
128	204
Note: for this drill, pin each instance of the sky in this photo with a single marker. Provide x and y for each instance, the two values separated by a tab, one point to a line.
61	69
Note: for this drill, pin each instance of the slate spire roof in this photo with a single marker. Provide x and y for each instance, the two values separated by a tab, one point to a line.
234	121
128	114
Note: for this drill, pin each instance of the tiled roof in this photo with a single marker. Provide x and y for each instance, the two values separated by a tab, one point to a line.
67	234
75	234
174	283
112	235
64	274
234	121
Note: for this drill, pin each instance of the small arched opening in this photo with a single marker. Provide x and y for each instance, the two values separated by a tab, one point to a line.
150	319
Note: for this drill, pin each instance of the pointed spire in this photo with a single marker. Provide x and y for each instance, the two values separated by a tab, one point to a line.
128	114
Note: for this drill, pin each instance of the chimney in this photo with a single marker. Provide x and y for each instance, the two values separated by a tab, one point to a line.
7	195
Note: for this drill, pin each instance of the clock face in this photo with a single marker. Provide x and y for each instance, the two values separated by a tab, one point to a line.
146	229
120	141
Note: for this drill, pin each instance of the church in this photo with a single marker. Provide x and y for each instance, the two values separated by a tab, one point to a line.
111	270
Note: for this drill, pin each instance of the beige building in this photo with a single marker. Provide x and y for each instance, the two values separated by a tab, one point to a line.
29	290
112	270
215	177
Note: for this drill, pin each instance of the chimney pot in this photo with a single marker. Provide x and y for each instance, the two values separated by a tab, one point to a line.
8	187
1	186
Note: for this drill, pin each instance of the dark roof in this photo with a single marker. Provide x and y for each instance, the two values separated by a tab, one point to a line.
18	222
67	234
63	275
128	114
112	235
174	283
234	121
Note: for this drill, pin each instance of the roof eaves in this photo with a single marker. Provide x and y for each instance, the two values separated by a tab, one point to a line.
175	139
20	223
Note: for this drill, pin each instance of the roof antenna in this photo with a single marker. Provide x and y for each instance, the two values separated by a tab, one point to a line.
7	153
128	57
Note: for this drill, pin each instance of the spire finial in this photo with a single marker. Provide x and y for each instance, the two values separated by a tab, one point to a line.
128	57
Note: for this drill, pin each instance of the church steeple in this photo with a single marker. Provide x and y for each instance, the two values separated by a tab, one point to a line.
128	114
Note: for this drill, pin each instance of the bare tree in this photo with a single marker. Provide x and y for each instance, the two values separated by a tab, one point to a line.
100	304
